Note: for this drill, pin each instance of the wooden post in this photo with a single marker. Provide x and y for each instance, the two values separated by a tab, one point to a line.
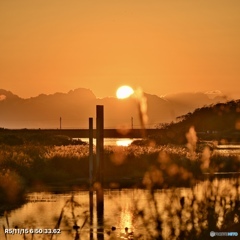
90	152
91	176
100	171
99	143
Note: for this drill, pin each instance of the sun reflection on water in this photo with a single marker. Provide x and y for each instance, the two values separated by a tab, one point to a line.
124	142
126	218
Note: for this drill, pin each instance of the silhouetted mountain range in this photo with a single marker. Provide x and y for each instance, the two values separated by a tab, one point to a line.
76	106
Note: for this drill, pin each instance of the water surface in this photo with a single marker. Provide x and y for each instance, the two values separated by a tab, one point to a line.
135	209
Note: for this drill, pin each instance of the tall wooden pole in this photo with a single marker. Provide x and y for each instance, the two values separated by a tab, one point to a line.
100	170
91	176
99	143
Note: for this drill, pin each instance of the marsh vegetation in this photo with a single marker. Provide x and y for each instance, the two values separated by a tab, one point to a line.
208	203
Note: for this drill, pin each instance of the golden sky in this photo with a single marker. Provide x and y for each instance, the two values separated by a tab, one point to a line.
162	46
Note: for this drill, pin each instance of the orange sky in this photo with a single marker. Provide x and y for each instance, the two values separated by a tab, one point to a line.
162	46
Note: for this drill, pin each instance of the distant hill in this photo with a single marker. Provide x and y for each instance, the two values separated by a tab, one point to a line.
182	101
76	106
219	122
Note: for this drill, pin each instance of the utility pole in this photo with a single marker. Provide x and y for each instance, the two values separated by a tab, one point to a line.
60	123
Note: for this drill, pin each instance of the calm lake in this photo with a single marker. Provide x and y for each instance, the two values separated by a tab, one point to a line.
122	208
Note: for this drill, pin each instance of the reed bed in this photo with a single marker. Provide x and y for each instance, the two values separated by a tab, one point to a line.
167	167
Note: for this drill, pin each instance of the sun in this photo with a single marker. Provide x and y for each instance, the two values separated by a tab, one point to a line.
124	92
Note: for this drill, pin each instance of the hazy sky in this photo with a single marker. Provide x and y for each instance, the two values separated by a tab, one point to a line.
163	46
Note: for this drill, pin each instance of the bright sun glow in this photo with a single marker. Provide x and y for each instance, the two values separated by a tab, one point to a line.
124	92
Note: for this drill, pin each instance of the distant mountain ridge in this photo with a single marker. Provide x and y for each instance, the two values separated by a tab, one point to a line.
76	106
